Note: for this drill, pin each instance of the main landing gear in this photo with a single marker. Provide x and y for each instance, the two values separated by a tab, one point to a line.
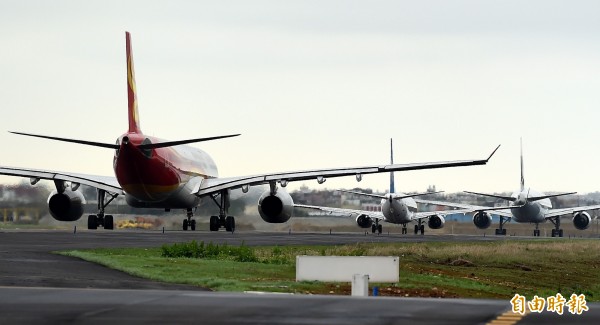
376	227
556	232
216	222
420	227
501	231
222	220
536	231
404	230
100	219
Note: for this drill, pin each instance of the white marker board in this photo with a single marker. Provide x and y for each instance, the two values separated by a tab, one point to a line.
342	268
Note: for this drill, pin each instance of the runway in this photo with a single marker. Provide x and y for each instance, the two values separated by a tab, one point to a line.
37	286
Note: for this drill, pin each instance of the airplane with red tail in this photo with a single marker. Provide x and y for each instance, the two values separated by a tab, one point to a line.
155	173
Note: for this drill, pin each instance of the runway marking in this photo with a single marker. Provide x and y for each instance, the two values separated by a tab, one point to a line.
508	318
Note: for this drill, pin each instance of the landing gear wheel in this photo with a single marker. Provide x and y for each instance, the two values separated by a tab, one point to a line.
373	228
422	229
100	219
108	222
92	222
214	223
223	220
416	229
193	225
560	233
404	230
230	224
379	229
185	224
501	232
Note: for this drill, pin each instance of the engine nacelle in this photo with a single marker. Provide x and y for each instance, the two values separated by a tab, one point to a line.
482	220
436	222
364	221
66	206
277	208
582	220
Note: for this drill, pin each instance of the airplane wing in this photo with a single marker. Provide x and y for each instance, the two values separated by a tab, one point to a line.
343	212
468	208
106	183
213	185
566	211
423	215
379	215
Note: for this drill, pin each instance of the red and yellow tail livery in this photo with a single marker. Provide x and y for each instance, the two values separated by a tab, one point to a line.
134	121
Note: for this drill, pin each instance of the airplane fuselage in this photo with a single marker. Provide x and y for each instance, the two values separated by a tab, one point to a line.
398	211
161	177
530	212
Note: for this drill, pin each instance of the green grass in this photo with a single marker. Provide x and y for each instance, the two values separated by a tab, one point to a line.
496	269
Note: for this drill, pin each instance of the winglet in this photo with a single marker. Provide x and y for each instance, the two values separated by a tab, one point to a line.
134	120
493	152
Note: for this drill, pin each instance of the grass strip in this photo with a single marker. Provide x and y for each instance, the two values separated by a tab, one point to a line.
496	269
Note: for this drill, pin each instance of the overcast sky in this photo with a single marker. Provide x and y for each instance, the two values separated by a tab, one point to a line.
313	84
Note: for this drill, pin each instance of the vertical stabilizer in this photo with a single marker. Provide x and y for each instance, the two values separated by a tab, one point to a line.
134	119
522	175
392	189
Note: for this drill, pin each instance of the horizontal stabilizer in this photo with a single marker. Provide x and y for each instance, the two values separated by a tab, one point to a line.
537	198
180	142
89	143
508	198
500	207
116	146
364	194
417	194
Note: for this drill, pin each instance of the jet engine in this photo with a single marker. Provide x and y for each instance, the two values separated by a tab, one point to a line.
581	220
66	206
482	220
436	222
276	208
364	221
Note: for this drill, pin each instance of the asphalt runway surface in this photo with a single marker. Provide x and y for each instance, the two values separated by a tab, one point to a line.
37	286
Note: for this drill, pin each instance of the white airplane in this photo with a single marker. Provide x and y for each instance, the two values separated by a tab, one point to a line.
396	208
527	206
154	173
